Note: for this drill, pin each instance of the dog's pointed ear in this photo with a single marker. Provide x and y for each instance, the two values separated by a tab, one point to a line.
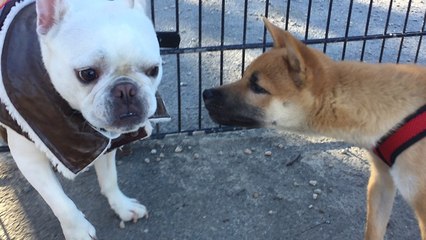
131	3
49	13
296	51
141	4
144	5
278	35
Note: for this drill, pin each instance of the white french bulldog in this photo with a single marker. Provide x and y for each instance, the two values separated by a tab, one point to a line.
103	58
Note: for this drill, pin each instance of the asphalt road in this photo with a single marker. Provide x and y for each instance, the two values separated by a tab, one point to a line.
252	184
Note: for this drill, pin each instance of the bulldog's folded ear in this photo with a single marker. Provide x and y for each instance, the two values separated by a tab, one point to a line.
49	13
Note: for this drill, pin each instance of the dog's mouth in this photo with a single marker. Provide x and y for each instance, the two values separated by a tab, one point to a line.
239	117
128	119
238	121
125	123
128	115
230	109
128	122
113	133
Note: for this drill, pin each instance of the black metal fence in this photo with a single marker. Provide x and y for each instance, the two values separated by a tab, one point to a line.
220	37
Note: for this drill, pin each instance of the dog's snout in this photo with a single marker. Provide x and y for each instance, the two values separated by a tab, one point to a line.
210	93
127	107
125	91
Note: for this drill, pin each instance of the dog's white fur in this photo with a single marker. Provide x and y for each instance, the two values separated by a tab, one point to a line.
124	52
119	39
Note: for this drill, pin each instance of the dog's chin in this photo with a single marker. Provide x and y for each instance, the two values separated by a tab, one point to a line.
117	124
238	115
115	131
108	133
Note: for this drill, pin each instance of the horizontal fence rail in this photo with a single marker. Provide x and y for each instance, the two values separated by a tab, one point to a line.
220	38
308	42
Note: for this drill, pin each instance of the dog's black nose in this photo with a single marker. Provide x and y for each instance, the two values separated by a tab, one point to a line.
124	91
210	93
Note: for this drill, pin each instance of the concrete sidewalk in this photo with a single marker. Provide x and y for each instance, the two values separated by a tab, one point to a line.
252	184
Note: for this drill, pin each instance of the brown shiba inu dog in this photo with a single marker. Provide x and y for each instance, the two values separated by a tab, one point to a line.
381	107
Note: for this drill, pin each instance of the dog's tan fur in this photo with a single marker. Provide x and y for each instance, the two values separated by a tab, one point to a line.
357	102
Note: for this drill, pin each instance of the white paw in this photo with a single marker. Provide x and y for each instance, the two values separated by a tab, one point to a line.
127	208
78	229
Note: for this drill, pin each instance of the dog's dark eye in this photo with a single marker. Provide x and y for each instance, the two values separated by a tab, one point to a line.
87	75
152	72
258	89
254	86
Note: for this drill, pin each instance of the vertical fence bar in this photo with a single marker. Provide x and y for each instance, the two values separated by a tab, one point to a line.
287	14
407	15
308	19
152	12
243	57
178	72
222	41
200	59
327	28
348	25
264	29
367	26
420	39
386	30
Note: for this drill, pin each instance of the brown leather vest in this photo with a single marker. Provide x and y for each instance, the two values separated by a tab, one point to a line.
61	129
